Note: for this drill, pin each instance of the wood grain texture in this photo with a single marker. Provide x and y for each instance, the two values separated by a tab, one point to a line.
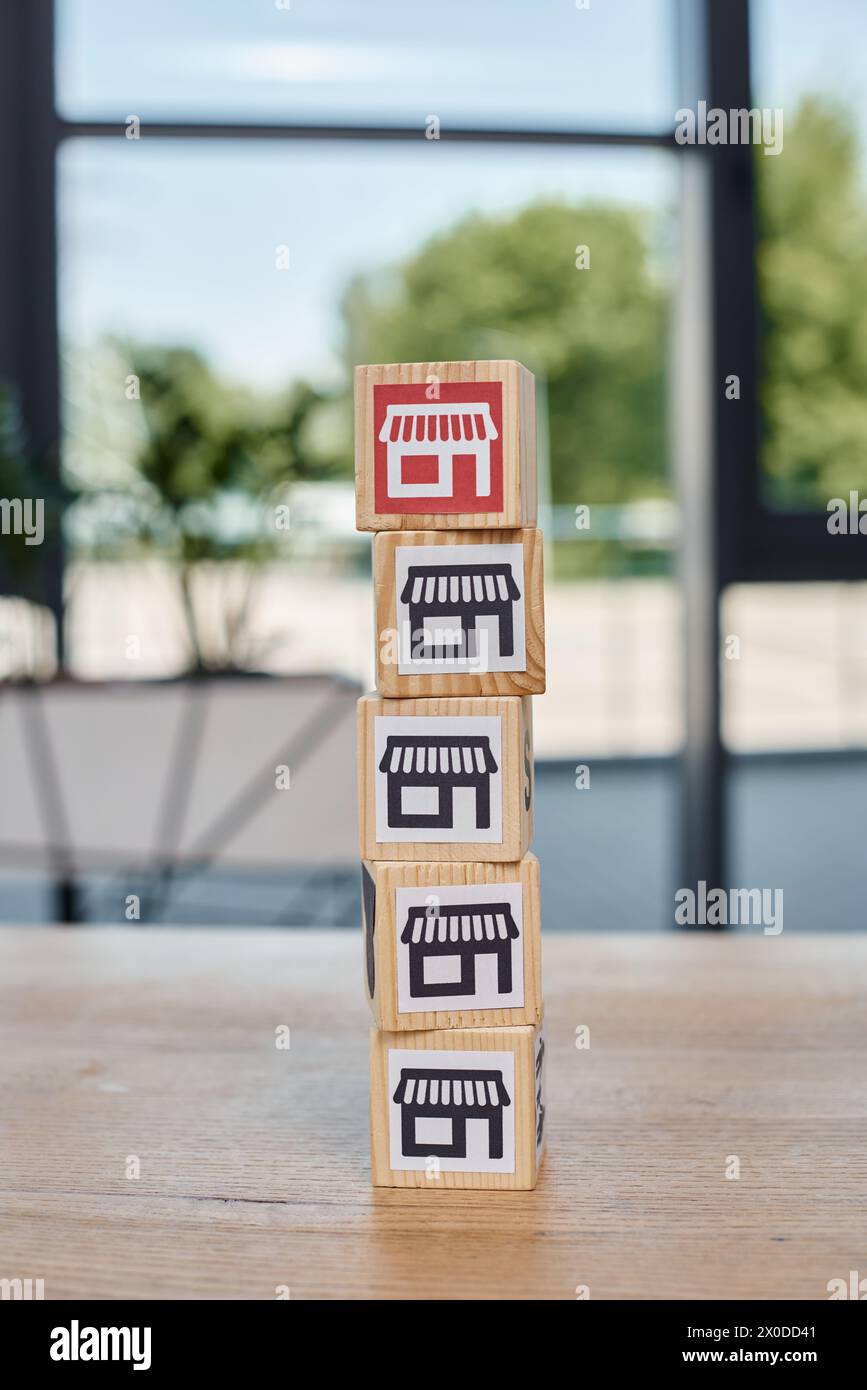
387	878
519	445
515	713
255	1162
483	1041
529	681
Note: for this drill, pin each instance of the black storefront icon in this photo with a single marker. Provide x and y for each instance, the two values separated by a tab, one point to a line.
454	1096
461	594
442	761
466	931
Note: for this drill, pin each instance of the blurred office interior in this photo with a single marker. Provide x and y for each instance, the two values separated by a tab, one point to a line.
216	211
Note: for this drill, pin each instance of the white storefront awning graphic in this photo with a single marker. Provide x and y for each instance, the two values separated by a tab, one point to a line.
452	423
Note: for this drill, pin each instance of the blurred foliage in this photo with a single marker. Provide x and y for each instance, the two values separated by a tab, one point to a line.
509	287
594	559
191	467
169	459
812	270
205	462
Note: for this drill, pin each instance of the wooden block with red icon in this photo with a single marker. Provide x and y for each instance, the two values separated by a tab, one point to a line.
445	778
445	446
459	612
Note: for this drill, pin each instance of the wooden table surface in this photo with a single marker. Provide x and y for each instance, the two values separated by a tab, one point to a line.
159	1045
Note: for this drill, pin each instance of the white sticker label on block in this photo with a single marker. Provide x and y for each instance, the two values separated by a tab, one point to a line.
438	781
460	947
459	609
457	1108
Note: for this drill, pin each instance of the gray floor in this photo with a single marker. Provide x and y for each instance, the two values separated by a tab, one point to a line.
608	856
799	823
796	823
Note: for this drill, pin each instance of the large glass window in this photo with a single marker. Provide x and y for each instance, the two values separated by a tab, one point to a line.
809	61
285	263
224	289
793	674
794	655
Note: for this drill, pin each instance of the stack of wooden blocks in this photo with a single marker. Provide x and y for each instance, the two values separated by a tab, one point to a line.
446	476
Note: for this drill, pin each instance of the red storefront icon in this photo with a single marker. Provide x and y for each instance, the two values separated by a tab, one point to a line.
438	452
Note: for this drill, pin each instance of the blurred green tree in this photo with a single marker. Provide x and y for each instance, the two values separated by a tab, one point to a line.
181	464
812	271
509	286
190	465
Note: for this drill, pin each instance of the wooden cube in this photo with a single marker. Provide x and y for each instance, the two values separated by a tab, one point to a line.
452	945
445	446
459	613
445	778
457	1108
